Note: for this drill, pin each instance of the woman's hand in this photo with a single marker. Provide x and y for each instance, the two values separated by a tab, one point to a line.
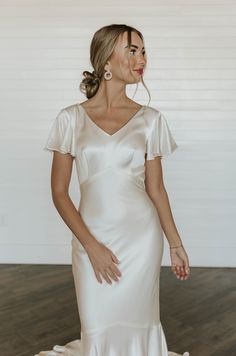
179	262
103	261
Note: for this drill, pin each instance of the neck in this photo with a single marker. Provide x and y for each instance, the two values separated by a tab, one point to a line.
111	94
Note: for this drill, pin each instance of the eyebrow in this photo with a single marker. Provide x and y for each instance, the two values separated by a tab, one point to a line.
132	45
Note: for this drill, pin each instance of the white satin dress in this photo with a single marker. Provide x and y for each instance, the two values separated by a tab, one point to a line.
121	319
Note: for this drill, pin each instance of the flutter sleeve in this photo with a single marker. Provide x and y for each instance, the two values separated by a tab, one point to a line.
61	137
160	141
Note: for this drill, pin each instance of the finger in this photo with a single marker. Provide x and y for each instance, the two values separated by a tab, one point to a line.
105	276
115	259
176	272
98	276
179	271
186	274
187	270
112	275
174	267
116	270
177	268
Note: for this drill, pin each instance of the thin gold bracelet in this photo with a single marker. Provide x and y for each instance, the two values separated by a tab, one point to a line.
177	246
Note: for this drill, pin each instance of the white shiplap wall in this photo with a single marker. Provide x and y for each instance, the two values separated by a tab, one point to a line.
192	78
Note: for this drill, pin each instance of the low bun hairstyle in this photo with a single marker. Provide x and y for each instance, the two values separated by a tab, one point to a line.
101	49
90	83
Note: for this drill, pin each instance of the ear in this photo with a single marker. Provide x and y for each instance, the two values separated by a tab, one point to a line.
107	66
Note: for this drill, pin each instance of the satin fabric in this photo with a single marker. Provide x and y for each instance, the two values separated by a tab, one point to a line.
121	319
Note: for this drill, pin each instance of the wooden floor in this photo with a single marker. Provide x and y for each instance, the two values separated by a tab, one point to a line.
38	310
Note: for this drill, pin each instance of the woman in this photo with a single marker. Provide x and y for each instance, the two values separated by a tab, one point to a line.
117	242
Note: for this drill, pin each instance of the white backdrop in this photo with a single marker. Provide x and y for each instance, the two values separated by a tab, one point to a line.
191	75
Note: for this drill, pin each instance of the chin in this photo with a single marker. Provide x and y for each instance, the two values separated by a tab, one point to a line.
134	81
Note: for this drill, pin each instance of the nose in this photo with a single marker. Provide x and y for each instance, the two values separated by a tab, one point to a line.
141	60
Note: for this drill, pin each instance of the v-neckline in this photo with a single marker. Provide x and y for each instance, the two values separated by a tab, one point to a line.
117	131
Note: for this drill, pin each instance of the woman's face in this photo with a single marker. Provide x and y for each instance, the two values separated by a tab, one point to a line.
125	62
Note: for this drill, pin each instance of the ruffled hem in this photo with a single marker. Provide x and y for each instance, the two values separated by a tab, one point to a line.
160	141
61	137
74	348
60	149
123	341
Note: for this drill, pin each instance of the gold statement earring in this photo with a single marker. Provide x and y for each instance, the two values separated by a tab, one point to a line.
108	75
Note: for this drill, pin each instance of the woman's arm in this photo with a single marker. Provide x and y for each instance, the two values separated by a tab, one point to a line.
103	260
60	181
156	190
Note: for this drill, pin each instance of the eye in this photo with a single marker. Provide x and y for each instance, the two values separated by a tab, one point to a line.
134	50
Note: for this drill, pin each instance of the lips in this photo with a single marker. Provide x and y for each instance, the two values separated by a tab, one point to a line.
140	71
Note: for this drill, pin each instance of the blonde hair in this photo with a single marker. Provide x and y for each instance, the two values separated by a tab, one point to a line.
101	49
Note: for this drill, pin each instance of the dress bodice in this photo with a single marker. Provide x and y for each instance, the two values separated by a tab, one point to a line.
146	133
